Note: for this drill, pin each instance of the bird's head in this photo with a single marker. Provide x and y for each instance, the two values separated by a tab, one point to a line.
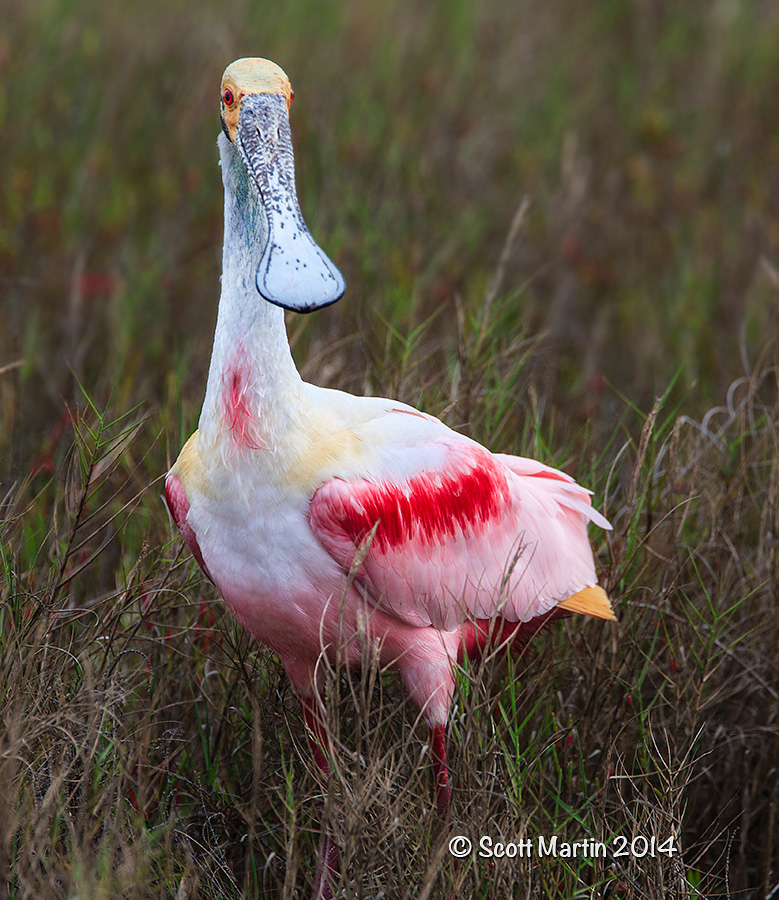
293	272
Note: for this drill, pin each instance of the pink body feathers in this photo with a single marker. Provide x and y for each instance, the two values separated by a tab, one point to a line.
327	520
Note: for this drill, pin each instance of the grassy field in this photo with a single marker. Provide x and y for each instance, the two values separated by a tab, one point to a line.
559	227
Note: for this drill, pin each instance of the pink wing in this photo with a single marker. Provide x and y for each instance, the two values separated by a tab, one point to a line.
178	505
462	533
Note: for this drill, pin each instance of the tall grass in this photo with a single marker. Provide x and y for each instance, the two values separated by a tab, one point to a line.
624	331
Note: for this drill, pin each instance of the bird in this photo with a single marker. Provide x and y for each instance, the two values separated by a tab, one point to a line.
328	520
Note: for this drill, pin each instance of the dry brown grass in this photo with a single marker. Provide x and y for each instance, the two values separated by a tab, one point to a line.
146	741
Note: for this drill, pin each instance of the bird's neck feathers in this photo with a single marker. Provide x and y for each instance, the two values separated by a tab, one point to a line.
254	389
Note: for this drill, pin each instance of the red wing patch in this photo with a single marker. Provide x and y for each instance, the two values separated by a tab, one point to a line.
429	508
480	635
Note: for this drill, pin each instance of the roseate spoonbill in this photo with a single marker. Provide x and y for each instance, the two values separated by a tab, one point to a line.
283	482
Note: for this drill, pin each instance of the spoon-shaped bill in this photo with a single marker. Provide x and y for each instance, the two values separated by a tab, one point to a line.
294	272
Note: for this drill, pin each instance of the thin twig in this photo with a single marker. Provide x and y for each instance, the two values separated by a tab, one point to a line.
12	366
505	254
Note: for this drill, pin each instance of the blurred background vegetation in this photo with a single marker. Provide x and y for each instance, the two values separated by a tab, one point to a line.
634	145
644	135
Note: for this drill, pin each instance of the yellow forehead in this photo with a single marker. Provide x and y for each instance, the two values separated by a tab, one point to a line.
252	75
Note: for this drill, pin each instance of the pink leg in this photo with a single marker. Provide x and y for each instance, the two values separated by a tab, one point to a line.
327	864
443	794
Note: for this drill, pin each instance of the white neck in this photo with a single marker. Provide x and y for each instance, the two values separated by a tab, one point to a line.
253	386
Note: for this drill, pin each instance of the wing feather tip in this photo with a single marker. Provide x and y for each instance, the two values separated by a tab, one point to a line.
591	601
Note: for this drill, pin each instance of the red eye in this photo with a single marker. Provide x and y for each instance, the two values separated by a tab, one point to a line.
228	98
291	96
